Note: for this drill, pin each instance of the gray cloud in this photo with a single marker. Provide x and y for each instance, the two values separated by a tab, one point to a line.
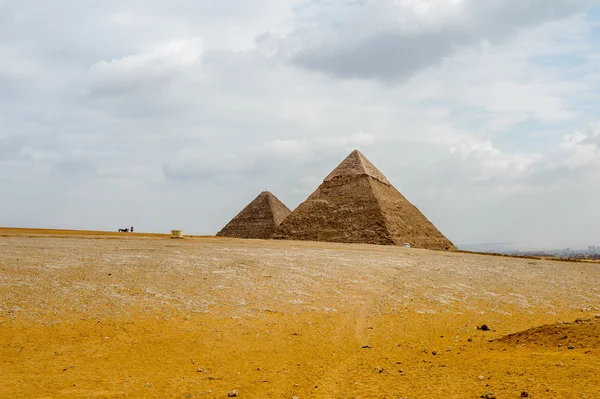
75	167
388	56
10	147
396	52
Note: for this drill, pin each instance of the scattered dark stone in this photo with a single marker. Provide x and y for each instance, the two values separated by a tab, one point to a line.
232	394
524	394
366	347
434	353
470	340
570	347
483	327
489	395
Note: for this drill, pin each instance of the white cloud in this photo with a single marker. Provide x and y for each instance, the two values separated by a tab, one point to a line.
122	18
487	164
581	149
283	148
575	159
362	138
163	59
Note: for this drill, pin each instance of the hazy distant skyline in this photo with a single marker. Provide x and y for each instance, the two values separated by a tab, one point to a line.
162	115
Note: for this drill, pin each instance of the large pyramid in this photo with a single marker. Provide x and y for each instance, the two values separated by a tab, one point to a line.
357	204
258	219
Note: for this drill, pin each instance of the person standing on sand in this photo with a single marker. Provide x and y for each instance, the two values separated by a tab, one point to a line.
131	229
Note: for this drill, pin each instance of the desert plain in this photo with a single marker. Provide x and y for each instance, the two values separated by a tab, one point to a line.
89	315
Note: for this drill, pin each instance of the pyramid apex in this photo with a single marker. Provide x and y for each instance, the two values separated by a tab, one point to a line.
357	164
267	195
258	219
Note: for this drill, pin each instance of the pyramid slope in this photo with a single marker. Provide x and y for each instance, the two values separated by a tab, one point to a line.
341	210
357	164
278	209
258	219
356	205
404	221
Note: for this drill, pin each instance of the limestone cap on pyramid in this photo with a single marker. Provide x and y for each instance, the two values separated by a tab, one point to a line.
356	164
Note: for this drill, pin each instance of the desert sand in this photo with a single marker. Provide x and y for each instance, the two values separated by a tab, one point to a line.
86	315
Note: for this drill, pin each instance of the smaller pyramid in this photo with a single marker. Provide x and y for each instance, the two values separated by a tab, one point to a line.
258	219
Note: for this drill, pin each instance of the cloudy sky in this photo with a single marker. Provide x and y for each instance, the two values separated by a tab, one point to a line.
175	114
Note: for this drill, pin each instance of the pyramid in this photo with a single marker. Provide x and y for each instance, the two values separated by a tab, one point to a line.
357	204
258	219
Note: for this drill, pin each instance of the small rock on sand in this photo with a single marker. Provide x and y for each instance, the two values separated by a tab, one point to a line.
232	394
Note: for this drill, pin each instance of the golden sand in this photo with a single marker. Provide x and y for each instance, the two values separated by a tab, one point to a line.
132	316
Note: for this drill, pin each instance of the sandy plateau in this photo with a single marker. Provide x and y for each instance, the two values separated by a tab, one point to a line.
84	315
